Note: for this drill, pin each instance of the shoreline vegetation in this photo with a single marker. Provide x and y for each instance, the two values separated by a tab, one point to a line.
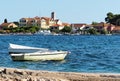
14	74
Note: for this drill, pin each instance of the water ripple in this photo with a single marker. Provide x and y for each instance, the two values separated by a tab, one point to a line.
88	53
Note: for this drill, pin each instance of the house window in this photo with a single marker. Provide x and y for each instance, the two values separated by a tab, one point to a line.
22	20
55	27
32	21
52	28
75	27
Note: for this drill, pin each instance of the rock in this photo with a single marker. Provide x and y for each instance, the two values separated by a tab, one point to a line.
8	71
19	72
1	70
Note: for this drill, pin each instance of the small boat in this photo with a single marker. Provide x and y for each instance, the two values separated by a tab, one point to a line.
26	53
43	32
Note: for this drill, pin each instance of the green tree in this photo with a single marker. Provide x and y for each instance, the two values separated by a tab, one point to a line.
113	18
37	28
13	30
94	23
32	30
21	29
55	31
93	31
66	29
118	22
16	23
103	31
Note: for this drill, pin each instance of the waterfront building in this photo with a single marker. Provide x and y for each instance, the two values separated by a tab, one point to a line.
8	25
27	22
77	26
106	26
59	26
42	22
116	30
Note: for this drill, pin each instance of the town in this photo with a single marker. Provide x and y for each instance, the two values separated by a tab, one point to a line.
55	26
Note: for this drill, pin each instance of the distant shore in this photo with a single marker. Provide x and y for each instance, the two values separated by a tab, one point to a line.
14	74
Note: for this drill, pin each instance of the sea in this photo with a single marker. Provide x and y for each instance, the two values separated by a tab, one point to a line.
89	53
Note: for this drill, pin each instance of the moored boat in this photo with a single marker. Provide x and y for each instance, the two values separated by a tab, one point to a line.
26	53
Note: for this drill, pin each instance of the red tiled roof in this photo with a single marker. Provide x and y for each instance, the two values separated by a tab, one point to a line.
47	19
102	24
65	24
78	25
5	24
56	25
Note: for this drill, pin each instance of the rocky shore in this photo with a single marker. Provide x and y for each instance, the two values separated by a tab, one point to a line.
13	74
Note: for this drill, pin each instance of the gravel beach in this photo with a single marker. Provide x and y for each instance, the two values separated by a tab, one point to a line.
14	74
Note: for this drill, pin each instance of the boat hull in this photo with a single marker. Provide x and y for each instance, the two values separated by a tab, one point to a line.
38	57
26	53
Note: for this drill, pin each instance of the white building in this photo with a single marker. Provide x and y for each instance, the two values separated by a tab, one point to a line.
43	22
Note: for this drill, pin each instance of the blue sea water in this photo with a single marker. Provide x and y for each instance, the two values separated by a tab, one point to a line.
88	53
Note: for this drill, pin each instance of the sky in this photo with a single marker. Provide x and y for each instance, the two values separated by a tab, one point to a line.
69	11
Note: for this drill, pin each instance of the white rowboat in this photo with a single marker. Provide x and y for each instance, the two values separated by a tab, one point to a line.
25	53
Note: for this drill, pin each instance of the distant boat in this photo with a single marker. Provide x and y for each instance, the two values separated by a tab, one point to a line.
108	34
43	32
26	53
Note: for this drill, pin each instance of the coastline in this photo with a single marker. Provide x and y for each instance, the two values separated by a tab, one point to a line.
14	74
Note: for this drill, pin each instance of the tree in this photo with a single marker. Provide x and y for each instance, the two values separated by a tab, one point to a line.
66	29
118	22
55	30
93	31
103	31
32	30
94	23
113	18
5	20
16	23
37	28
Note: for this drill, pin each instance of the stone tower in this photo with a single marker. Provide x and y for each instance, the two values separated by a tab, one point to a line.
53	15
